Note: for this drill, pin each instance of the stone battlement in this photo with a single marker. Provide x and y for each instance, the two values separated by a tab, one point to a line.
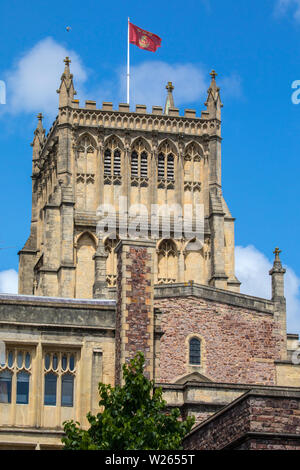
139	109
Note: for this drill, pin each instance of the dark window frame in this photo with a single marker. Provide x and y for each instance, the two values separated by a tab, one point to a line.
195	351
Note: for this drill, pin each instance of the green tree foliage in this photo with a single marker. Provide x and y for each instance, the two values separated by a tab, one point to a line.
134	417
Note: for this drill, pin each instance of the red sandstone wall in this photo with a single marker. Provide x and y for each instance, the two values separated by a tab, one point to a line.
273	421
134	313
239	345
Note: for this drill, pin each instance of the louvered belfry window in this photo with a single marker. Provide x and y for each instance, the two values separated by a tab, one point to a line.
161	166
144	165
170	167
134	164
117	162
107	162
139	160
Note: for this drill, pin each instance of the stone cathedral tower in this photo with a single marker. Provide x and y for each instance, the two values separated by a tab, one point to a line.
92	301
93	156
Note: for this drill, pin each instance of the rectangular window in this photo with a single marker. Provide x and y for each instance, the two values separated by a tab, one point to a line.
67	389
50	389
23	388
5	386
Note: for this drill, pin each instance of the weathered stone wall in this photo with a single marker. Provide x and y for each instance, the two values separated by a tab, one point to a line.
258	420
238	344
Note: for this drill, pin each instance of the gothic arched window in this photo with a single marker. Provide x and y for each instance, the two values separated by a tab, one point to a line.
194	351
85	173
166	163
112	158
60	373
167	262
192	165
139	160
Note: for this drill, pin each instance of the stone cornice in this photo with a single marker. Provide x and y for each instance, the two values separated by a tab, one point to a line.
36	301
214	294
228	386
146	122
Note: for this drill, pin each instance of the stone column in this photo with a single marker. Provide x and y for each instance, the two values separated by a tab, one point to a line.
134	316
48	271
66	273
100	290
216	221
277	272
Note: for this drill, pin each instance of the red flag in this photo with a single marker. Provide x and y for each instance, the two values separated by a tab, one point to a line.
143	39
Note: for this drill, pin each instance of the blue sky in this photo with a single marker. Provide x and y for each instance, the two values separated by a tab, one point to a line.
255	49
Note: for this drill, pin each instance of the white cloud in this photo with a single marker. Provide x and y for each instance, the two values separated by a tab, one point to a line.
149	79
252	269
33	80
231	86
35	77
282	6
9	281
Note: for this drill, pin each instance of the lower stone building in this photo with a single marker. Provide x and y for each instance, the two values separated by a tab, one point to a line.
88	302
206	347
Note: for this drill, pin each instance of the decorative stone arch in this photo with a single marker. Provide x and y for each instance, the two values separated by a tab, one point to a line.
89	137
115	141
193	377
175	242
193	148
86	232
165	143
143	141
167	261
193	240
85	246
194	261
108	236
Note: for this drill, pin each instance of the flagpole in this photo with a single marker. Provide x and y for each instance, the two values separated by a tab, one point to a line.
128	72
